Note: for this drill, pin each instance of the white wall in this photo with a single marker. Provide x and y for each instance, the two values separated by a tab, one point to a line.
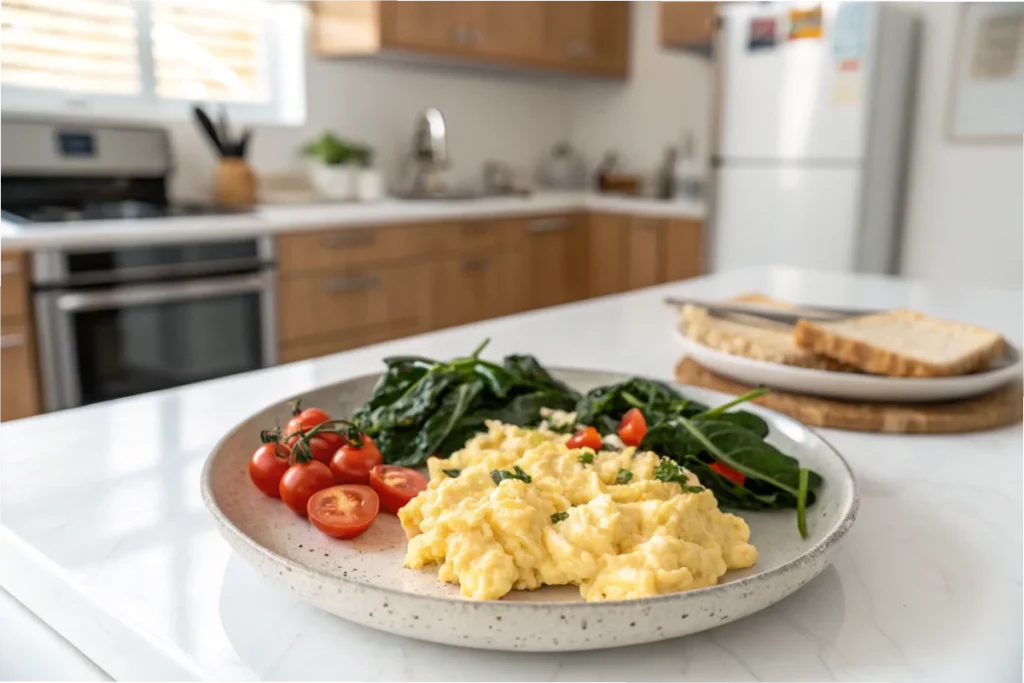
507	116
965	204
667	92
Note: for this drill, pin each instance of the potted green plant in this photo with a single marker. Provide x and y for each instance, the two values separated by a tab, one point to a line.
333	171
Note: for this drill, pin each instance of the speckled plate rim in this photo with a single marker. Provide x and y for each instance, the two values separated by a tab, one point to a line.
833	536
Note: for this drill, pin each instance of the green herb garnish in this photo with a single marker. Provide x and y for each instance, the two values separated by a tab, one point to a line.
801	502
452	473
624	476
586	456
668	471
559	517
498	476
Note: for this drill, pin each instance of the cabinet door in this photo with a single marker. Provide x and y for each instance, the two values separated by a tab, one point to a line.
607	244
472	288
505	30
587	36
682	256
19	391
688	24
552	270
644	252
423	25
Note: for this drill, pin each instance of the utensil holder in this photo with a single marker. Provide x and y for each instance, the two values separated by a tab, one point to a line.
234	183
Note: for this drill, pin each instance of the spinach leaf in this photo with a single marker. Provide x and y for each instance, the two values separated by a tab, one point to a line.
498	476
559	517
453	473
624	476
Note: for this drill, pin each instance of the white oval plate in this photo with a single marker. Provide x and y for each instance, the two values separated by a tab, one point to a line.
363	580
852	386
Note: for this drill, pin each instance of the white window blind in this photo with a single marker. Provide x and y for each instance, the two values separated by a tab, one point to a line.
151	58
208	51
79	46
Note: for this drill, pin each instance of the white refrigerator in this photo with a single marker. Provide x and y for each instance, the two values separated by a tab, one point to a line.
813	107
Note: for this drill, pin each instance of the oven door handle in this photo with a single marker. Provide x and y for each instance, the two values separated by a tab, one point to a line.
146	294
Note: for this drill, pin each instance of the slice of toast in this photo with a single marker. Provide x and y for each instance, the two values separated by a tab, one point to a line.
751	338
902	343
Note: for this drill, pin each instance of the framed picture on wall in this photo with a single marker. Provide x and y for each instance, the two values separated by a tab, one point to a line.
986	101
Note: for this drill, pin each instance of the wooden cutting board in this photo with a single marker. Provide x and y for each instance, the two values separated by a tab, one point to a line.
995	409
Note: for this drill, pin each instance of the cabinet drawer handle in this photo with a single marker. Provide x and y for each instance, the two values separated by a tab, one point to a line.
476	264
352	284
360	238
549	225
9	268
8	341
578	50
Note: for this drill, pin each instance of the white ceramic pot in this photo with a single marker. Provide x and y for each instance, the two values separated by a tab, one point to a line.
334	182
369	185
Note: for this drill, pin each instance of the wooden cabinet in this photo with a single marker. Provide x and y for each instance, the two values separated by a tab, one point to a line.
19	379
475	287
339	289
553	268
588	37
688	25
607	242
644	252
683	251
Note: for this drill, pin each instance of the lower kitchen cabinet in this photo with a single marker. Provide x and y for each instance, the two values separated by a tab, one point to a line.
476	287
554	269
682	255
607	242
19	385
644	252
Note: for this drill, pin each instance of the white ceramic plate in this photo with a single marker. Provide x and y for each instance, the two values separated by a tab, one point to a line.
363	580
850	385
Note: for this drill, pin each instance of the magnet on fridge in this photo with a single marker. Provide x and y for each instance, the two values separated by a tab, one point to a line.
805	23
762	34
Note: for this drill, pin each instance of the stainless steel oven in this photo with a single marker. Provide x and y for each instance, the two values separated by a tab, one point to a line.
118	322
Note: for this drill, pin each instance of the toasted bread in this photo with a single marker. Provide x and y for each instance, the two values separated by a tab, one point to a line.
752	338
902	343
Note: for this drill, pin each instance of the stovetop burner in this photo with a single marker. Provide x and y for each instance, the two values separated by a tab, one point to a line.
116	211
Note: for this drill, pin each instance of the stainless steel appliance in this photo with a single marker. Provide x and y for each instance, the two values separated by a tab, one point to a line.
122	320
118	322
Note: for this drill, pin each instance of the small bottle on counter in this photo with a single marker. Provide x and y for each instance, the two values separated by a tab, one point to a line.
689	177
667	174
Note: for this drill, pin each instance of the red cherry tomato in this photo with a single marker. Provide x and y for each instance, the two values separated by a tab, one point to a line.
320	448
396	486
267	465
352	465
585	438
301	481
333	439
633	427
306	420
729	473
343	511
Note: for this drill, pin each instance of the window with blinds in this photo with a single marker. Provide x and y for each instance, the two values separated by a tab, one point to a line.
208	52
150	55
81	46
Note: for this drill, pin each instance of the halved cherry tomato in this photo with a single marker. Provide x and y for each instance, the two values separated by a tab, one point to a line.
343	511
306	420
320	448
301	481
352	465
633	427
585	438
396	486
729	473
267	465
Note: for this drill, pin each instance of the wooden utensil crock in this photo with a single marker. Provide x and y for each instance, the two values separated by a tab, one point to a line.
234	183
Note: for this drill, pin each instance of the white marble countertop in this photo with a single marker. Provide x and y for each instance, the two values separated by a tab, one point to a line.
104	535
271	219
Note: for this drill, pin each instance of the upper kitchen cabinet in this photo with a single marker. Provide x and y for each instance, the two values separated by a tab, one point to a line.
688	25
584	37
588	36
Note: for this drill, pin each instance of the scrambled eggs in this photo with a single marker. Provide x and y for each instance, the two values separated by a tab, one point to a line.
562	515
